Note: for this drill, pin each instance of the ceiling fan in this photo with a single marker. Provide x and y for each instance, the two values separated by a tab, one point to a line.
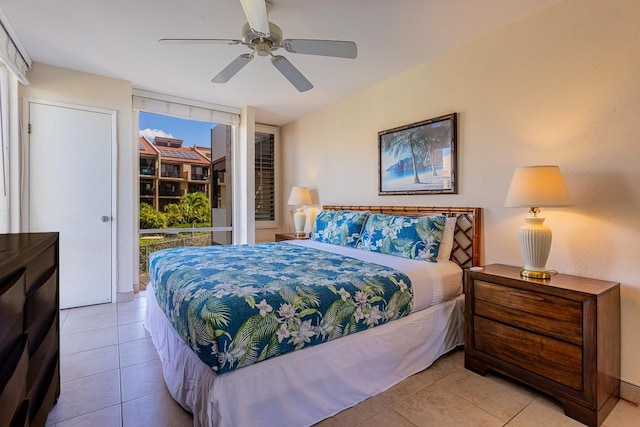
264	37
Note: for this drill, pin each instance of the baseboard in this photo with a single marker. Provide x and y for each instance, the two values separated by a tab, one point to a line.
124	296
629	392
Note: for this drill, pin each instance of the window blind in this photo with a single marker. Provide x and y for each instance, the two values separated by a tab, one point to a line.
167	105
11	53
265	182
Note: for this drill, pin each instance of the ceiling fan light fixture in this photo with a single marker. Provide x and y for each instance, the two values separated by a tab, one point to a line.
262	48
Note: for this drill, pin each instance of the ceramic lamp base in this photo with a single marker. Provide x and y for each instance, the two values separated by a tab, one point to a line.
299	220
535	243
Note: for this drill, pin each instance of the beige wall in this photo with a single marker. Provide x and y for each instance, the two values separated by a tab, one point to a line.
73	87
561	87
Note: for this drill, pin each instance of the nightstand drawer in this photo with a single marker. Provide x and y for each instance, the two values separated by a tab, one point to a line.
545	314
553	359
281	237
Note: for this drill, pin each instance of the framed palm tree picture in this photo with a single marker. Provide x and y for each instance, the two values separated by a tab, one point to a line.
419	158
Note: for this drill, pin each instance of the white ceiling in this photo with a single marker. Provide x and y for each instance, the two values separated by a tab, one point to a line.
118	38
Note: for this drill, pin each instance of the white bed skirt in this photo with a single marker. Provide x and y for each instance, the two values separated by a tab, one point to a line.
309	385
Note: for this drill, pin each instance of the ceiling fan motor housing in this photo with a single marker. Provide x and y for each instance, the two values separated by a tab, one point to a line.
259	43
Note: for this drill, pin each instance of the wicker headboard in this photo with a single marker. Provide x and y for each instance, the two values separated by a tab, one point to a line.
466	238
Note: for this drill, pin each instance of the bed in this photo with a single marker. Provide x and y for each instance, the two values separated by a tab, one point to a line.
303	387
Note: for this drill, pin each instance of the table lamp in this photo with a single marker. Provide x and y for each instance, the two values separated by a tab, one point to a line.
299	196
534	187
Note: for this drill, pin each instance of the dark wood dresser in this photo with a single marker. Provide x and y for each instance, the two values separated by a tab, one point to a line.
29	328
559	335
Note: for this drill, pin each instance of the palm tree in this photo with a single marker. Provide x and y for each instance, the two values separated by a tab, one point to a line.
421	141
195	206
433	137
174	214
397	144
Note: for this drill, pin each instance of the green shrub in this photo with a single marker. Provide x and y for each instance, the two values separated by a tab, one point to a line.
194	208
174	215
151	218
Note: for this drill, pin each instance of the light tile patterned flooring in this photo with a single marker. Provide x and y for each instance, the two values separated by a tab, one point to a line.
111	376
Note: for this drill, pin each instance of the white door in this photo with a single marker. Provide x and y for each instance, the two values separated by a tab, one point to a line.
70	191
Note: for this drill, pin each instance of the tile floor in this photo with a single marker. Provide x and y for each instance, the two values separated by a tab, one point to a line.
111	376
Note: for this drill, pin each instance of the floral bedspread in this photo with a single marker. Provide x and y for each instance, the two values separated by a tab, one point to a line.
238	305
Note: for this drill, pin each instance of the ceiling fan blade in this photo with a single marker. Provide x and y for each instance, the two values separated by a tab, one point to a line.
199	41
291	73
231	69
256	13
336	48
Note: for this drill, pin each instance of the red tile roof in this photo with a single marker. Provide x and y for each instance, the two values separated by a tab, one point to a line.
172	154
144	147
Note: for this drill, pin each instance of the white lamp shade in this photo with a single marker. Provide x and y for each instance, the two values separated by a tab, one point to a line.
299	196
537	186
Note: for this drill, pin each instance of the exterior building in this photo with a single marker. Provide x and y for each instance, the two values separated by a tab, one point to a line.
168	171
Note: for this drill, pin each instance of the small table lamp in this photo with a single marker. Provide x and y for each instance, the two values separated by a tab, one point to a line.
299	196
534	187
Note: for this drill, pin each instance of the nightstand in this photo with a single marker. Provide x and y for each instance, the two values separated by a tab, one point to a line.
559	335
289	236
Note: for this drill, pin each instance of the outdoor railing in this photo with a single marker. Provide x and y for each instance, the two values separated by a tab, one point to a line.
199	177
203	239
170	174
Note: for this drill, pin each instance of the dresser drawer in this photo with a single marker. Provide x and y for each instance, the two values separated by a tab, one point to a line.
13	381
21	417
29	328
11	304
548	357
545	314
40	306
37	268
41	358
42	400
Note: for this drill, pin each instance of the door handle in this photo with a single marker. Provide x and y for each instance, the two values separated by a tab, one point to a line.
104	218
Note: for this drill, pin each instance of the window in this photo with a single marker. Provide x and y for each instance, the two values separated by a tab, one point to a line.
170	171
199	173
266	177
147	166
179	142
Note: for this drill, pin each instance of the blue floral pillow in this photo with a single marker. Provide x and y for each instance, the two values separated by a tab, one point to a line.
407	237
339	227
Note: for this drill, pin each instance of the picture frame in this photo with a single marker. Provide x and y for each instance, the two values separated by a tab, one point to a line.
419	158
